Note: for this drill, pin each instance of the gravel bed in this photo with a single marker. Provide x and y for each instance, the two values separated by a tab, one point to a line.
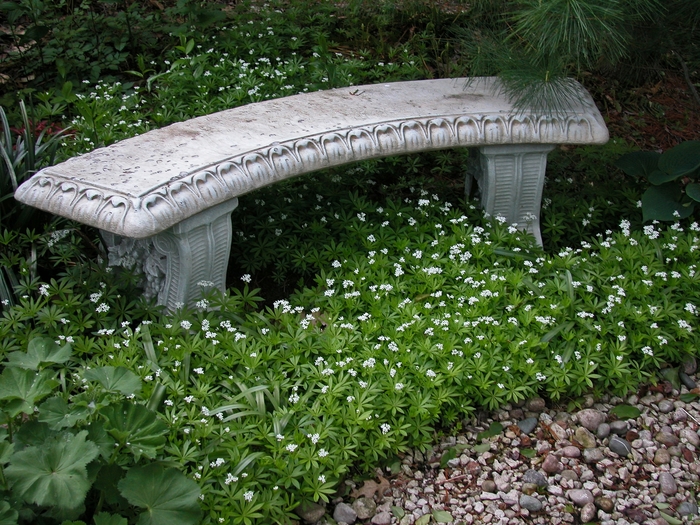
546	466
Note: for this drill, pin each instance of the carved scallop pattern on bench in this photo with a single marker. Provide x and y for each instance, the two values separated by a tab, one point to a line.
169	203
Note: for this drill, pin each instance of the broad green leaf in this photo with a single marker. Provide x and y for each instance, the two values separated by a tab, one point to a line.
689	397
449	454
23	388
40	350
670	519
528	452
662	506
482	447
168	496
639	163
8	515
136	427
692	190
57	414
398	512
625	411
661	177
442	516
107	480
119	379
682	159
33	434
6	450
53	474
99	436
493	430
423	520
671	375
663	203
104	518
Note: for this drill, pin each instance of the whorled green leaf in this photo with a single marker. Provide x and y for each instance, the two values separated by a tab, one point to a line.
168	496
625	411
639	163
662	203
53	474
119	379
103	518
136	427
40	350
681	160
57	414
8	515
24	388
692	190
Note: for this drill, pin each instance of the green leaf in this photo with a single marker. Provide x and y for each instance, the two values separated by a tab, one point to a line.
442	516
671	375
662	506
670	519
53	474
494	429
57	414
625	411
449	454
681	160
528	452
660	177
423	520
104	518
106	482
167	495
692	190
33	434
482	447
662	203
688	397
639	163
398	512
40	350
119	379
8	515
136	427
23	388
98	435
564	327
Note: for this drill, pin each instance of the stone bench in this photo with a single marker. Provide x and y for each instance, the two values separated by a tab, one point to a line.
163	200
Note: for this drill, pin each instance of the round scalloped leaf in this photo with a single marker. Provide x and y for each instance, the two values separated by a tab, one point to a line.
661	177
53	474
40	350
103	518
662	203
57	414
23	388
119	379
168	496
8	515
136	427
693	191
639	163
682	159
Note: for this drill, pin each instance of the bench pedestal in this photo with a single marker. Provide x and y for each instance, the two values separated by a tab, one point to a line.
511	179
174	261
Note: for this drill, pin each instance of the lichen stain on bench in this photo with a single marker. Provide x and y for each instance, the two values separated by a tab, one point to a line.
175	187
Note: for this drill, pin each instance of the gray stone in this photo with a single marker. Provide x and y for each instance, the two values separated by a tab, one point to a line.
603	430
662	457
530	503
588	513
635	514
666	438
666	406
687	508
534	477
365	508
668	483
690	365
558	432
551	464
686	380
569	474
536	404
620	446
382	518
590	418
593	455
585	437
691	436
580	497
527	425
679	415
489	485
345	513
619	427
571	452
310	512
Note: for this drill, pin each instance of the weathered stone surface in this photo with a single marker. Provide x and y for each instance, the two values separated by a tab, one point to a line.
530	503
593	455
590	418
552	465
536	404
620	446
310	512
588	512
580	497
585	437
345	513
365	508
668	484
527	425
687	508
534	477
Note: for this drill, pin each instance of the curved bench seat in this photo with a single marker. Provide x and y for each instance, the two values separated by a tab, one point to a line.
164	184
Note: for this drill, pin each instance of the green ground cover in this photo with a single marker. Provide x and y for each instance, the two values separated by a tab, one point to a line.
371	307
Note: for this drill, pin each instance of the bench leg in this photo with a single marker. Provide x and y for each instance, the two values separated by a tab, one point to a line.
511	179
174	261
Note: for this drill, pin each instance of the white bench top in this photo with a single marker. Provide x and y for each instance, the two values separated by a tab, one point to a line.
143	185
